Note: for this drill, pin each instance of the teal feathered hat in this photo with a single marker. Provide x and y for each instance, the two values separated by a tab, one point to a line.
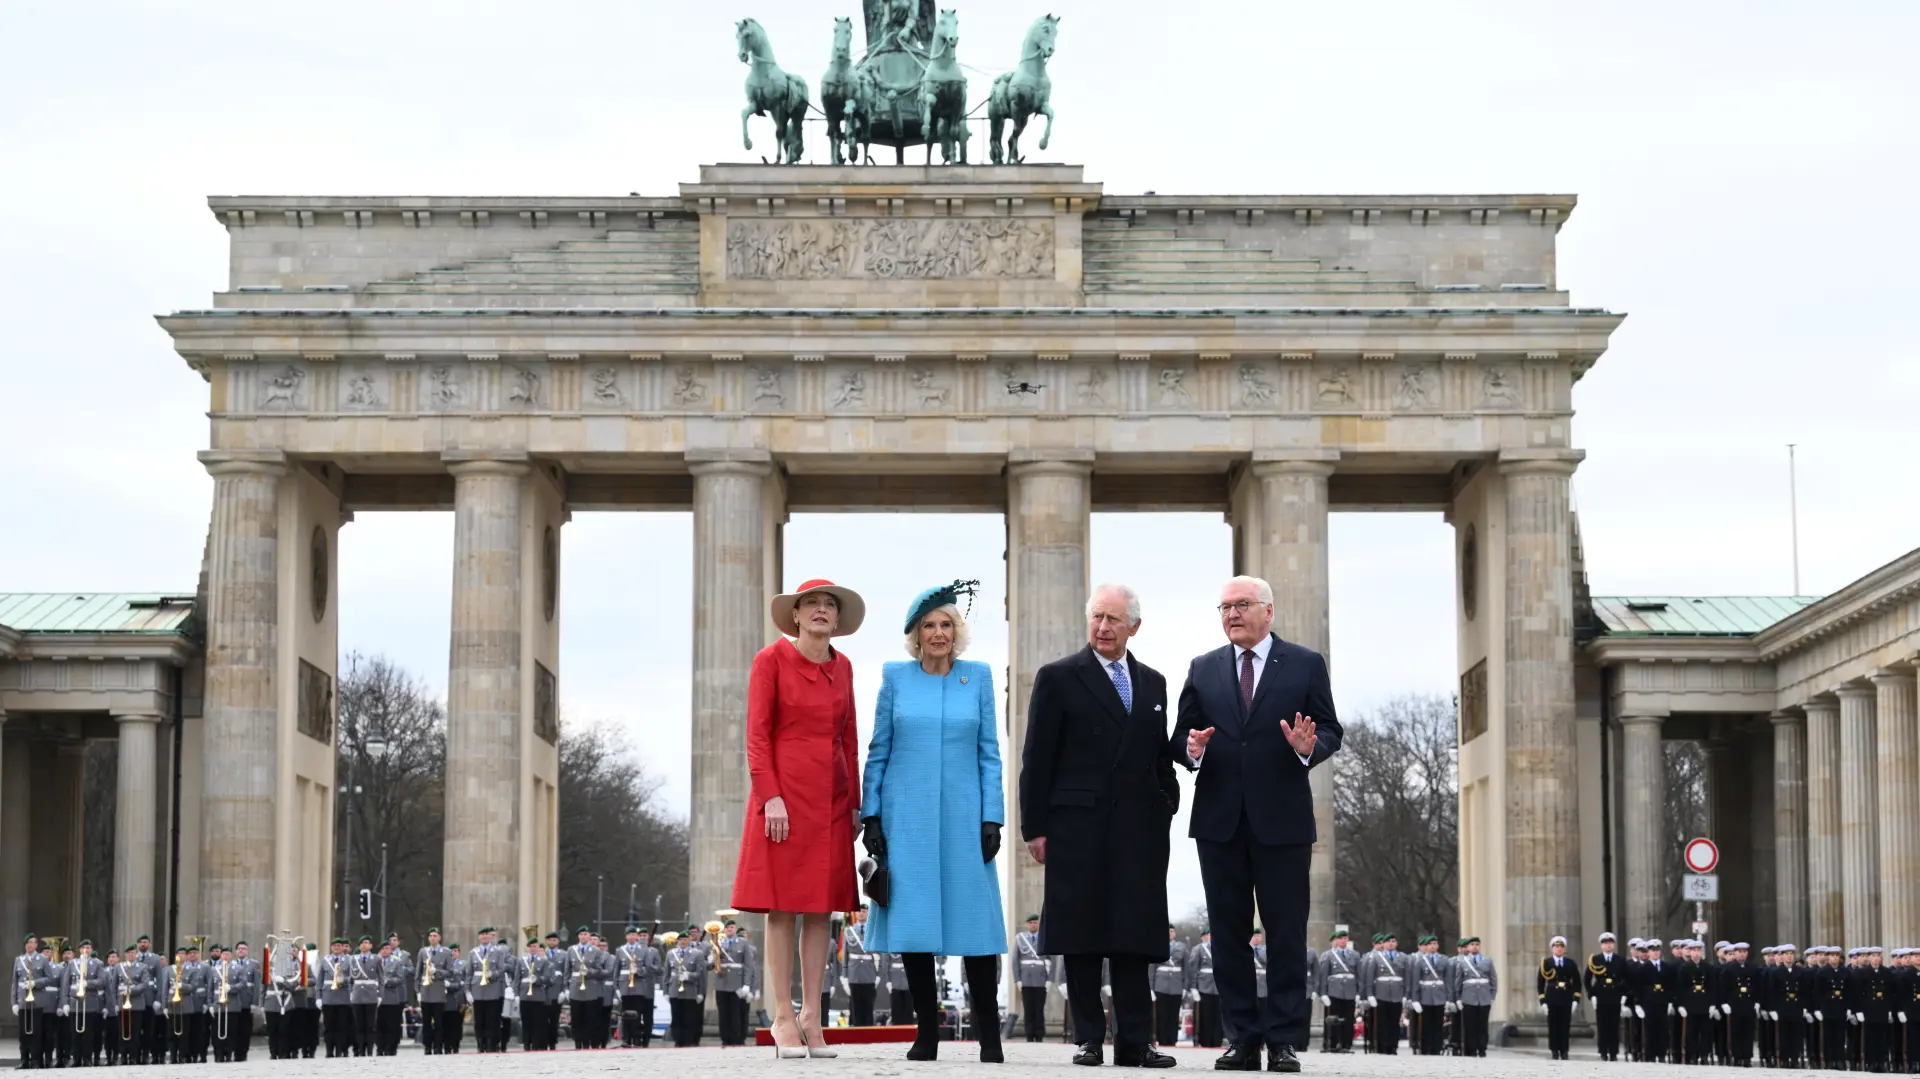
939	597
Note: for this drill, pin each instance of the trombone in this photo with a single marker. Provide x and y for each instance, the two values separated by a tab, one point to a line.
80	995
174	1011
126	1001
220	1019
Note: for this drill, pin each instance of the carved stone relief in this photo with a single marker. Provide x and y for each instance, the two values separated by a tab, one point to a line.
1335	389
603	387
688	390
281	390
1500	388
1415	389
546	697
1092	391
849	392
444	389
766	389
1256	389
1173	388
889	248
929	393
523	387
315	712
364	392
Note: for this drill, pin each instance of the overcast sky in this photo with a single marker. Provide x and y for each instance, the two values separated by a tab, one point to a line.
1743	171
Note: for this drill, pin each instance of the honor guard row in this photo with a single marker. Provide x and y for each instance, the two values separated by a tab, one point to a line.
1441	1001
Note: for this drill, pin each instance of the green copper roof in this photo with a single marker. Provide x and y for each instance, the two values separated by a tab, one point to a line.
95	612
1693	616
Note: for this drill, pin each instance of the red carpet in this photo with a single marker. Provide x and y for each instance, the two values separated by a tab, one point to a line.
848	1035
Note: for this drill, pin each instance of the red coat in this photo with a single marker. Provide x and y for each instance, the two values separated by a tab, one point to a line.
802	745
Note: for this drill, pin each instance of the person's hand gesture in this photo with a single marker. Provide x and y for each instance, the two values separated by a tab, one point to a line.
776	814
1197	743
1299	734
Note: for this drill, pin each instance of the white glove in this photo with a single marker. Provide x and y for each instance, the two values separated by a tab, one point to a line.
260	1010
1758	1010
1192	995
1902	1016
1106	993
1063	990
744	993
1326	1001
1626	1010
1639	1012
1373	1002
1713	1012
1415	1005
63	1009
16	1009
1683	1011
1806	1015
1852	1017
1543	1008
1452	1007
157	1009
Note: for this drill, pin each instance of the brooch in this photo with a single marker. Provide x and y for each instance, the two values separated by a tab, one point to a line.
963	679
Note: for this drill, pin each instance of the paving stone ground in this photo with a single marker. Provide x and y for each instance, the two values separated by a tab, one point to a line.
958	1060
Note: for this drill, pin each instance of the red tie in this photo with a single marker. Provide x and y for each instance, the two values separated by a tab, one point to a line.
1246	680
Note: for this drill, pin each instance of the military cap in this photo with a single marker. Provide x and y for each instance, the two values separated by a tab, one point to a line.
1428	938
1651	945
86	944
731	924
636	929
1339	934
1739	945
693	929
1562	941
215	948
29	937
453	945
339	940
1604	937
366	939
433	929
531	941
553	936
142	937
863	906
584	929
1461	943
239	943
1785	948
1721	945
1036	917
1031	917
486	929
1379	938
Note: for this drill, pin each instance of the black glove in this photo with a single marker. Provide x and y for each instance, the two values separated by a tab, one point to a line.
873	838
989	841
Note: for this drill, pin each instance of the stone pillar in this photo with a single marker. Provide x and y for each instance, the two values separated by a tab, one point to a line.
481	881
134	831
1049	521
240	754
16	833
1897	751
1727	799
1790	827
1643	823
1542	781
1291	537
1826	916
730	596
1859	831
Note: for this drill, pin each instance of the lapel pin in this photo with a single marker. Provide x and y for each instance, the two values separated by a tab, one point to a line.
963	679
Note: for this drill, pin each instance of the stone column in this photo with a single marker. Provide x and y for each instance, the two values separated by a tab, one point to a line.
1292	540
1790	826
1826	916
1727	799
730	596
134	831
240	753
1859	831
1049	521
16	834
1643	822
481	880
1897	751
1542	781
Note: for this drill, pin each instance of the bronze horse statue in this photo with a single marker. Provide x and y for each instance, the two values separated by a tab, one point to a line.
772	92
1024	92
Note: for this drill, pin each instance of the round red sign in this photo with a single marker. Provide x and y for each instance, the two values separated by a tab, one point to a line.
1701	855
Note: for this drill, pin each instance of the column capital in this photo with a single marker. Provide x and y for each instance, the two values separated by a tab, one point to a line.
1066	462
1855	691
1892	676
484	463
1313	462
136	717
1641	721
244	462
1556	462
1824	704
1785	719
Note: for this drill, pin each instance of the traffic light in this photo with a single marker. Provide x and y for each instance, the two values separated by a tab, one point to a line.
366	904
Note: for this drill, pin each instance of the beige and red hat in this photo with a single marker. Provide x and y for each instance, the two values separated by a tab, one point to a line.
853	609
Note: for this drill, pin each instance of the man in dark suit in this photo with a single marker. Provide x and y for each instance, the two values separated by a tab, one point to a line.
1255	718
1097	798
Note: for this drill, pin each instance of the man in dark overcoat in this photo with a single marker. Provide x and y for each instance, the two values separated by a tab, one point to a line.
1097	798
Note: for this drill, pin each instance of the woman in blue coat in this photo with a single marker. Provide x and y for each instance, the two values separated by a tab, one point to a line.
932	813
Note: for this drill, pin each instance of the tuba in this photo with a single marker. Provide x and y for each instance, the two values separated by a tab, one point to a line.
717	956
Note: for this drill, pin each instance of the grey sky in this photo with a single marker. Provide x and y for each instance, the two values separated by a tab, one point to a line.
1742	169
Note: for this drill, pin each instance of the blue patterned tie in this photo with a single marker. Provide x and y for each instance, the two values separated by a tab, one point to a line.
1120	683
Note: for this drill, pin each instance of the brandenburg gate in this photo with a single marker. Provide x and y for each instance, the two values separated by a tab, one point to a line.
769	339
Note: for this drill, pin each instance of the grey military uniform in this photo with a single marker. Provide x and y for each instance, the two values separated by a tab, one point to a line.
488	968
583	972
286	994
336	979
1472	980
1170	977
366	977
537	978
1200	969
1383	976
638	970
686	973
186	979
1034	970
859	968
736	971
394	975
82	983
238	977
1337	974
896	975
431	967
33	972
128	987
1427	980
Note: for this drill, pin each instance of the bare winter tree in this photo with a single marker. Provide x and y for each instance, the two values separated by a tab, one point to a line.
614	834
1396	809
1686	815
394	797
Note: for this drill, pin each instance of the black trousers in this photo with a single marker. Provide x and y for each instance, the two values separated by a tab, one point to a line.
533	1024
584	1017
1383	1027
1606	1025
130	1035
1428	1030
34	1031
239	1033
486	1025
685	1022
1166	1019
1790	1037
279	1034
1559	1027
388	1022
453	1026
732	1014
1208	1025
430	1026
1739	1031
862	1003
1033	1011
1699	1032
1237	874
1473	1035
901	1002
636	1019
1132	1000
366	1028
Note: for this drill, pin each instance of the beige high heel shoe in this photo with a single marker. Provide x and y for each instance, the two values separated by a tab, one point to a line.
788	1052
823	1050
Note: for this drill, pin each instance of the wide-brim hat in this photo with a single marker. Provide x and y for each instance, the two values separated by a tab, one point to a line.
853	609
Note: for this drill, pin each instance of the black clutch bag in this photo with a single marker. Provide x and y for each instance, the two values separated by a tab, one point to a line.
875	881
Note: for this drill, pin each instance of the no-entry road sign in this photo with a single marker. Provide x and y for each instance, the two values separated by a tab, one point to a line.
1701	855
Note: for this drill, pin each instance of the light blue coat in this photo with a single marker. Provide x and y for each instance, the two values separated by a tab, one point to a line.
933	777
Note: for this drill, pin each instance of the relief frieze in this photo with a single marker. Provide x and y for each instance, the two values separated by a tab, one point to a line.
889	248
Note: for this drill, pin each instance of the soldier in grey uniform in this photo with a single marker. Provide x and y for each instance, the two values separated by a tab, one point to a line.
1427	997
453	1021
1169	983
861	972
609	993
390	1020
242	982
583	988
1472	984
336	997
687	989
635	977
82	981
130	995
536	982
153	1038
901	999
433	962
489	966
750	956
1203	993
282	1001
1383	979
733	986
363	970
35	999
1032	977
306	1027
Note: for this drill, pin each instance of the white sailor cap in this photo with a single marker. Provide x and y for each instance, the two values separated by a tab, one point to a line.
1785	948
1768	950
1557	940
1871	949
1854	952
1721	945
1739	946
1651	943
1680	942
1604	937
1634	942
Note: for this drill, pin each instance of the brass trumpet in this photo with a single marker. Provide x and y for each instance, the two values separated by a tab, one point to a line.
717	957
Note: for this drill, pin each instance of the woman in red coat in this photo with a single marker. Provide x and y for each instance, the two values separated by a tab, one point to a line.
796	844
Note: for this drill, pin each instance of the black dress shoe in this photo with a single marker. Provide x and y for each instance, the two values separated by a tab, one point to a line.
1239	1058
1280	1058
1090	1055
1141	1056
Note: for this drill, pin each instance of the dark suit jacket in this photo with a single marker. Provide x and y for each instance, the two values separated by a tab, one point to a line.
1097	781
1249	767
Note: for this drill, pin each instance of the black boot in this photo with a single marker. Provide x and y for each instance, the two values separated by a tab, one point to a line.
926	1005
984	993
